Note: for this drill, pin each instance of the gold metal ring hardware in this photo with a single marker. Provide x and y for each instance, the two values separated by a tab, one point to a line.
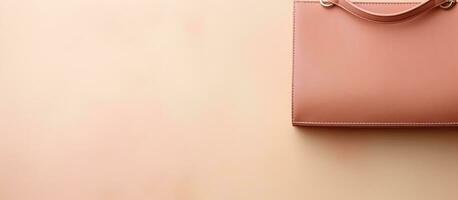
449	4
327	3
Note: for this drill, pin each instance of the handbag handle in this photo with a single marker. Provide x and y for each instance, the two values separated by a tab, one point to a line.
388	18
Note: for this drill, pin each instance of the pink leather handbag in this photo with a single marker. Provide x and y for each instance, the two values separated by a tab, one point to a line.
375	63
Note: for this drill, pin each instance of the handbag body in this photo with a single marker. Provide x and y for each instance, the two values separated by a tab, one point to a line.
375	63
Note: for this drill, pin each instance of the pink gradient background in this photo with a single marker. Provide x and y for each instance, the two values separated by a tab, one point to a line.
184	100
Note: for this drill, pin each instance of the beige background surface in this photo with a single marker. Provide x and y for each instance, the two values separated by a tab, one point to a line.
186	100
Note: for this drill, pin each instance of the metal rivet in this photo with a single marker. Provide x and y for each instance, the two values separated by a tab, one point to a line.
327	3
449	4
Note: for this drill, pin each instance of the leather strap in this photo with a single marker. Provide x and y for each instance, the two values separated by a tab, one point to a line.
387	18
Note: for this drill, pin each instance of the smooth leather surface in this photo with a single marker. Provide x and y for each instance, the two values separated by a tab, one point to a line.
353	72
421	8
